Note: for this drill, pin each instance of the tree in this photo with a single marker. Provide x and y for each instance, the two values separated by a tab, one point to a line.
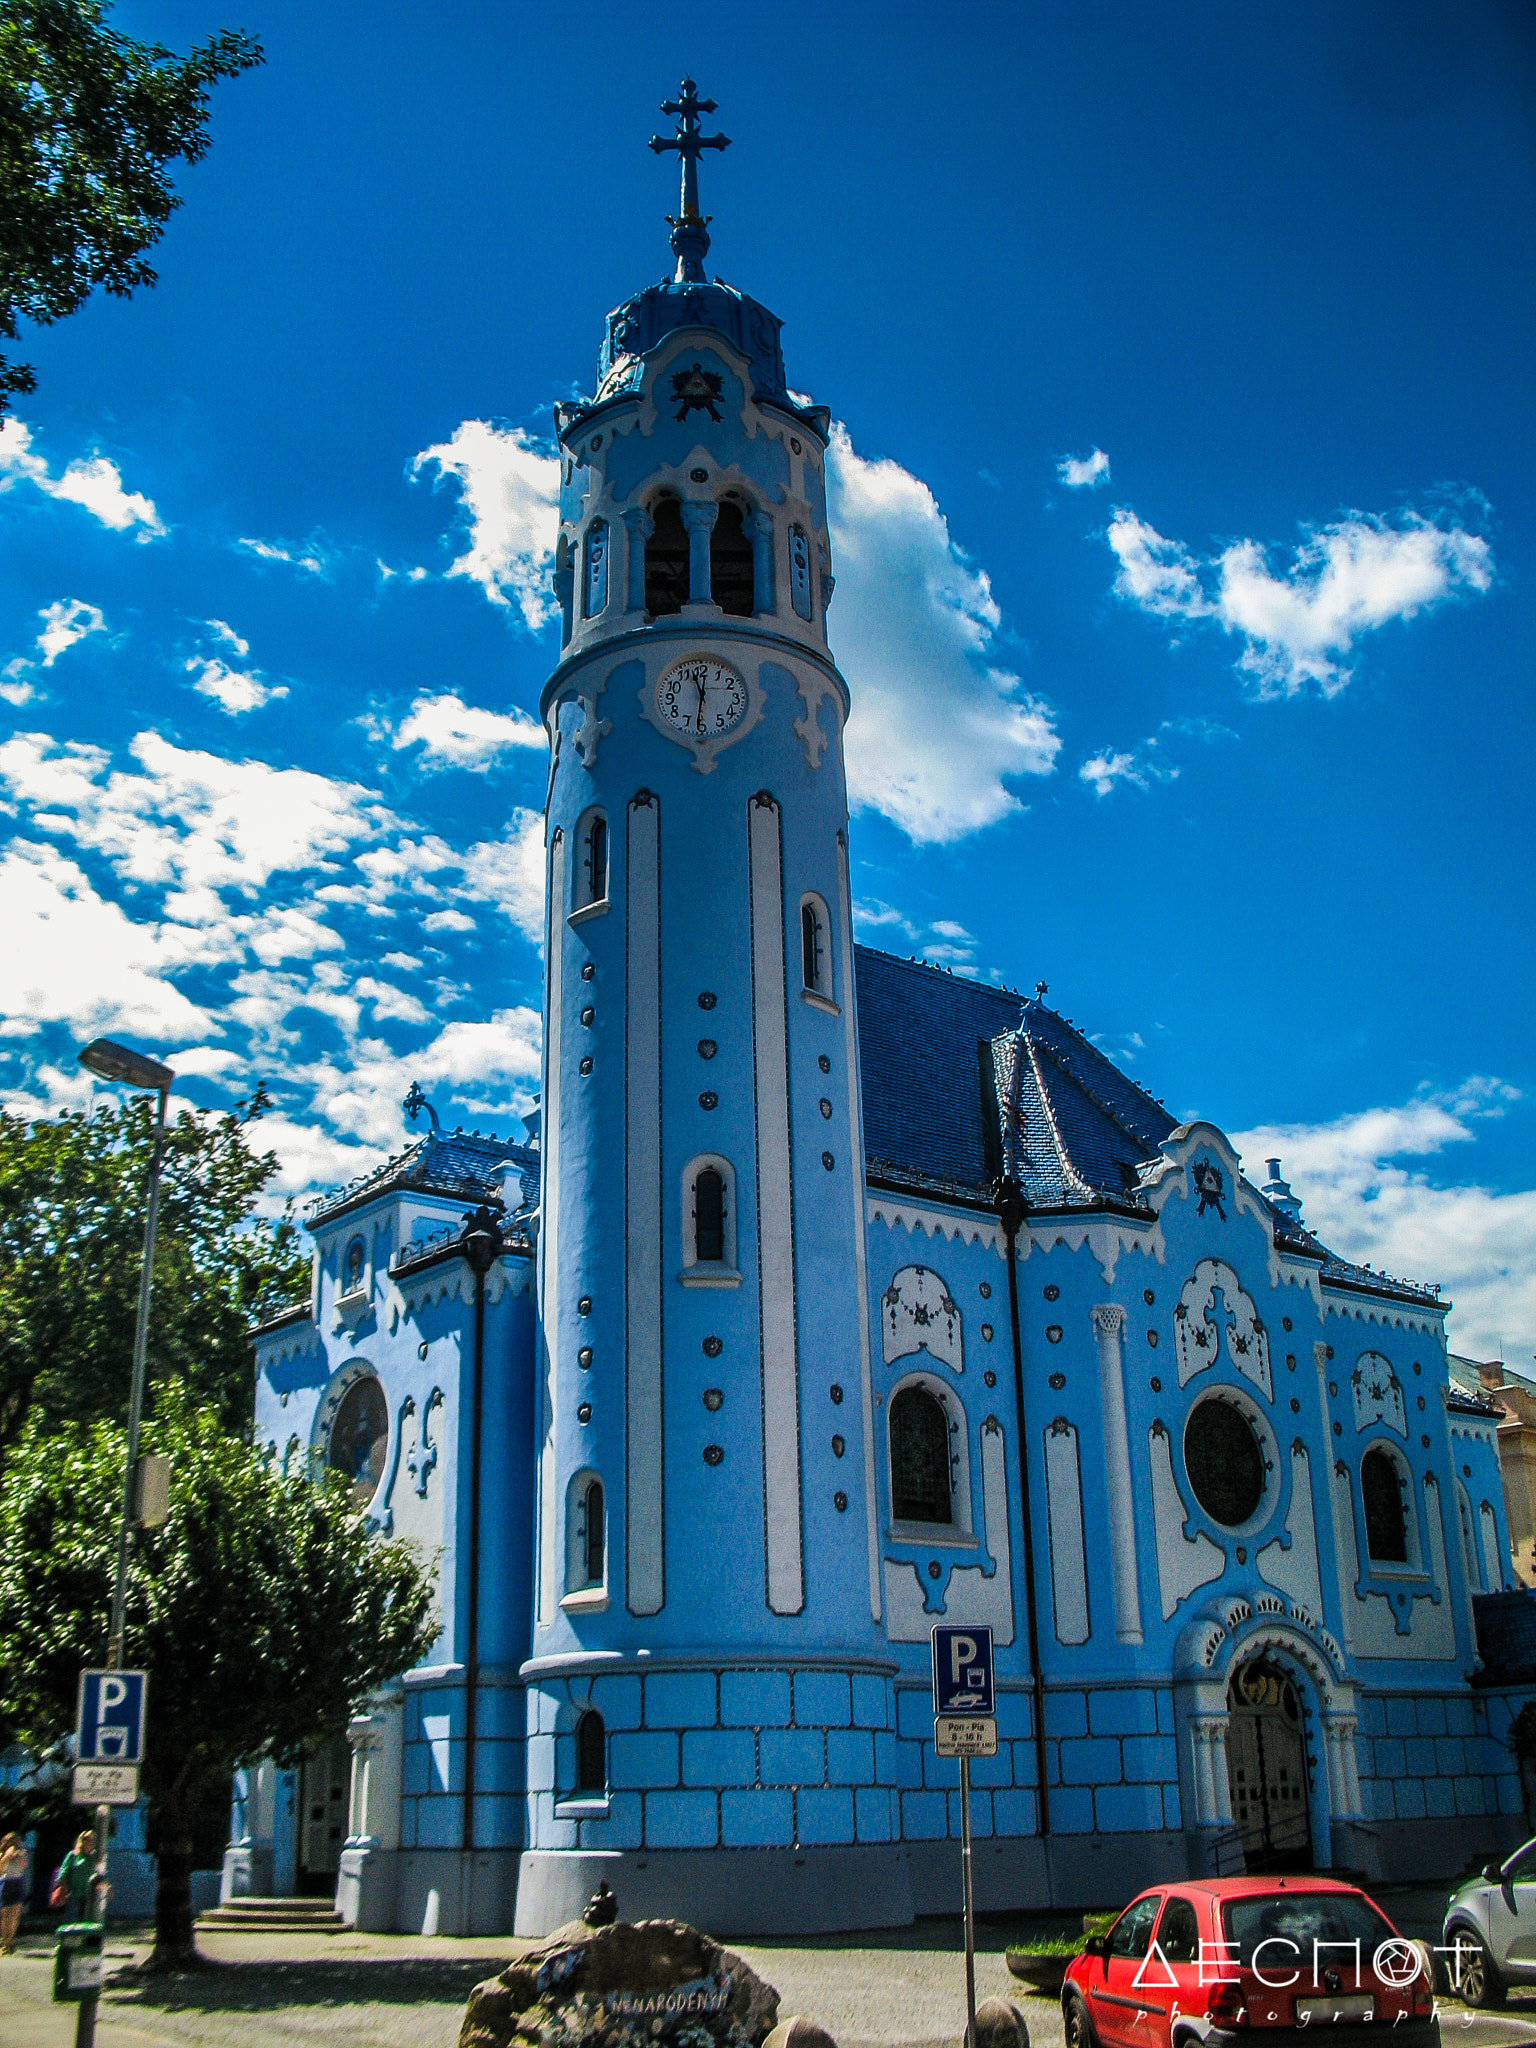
89	121
264	1611
72	1195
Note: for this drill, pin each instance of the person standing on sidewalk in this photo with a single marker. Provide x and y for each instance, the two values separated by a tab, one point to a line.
13	1889
77	1873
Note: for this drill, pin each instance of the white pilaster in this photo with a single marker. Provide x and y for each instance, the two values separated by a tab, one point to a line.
645	1562
775	1216
860	1240
549	1231
1108	1323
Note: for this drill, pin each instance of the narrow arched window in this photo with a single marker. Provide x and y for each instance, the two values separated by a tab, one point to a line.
591	1753
920	1490
800	571
593	1537
594	586
730	561
666	560
709	1215
1386	1532
810	946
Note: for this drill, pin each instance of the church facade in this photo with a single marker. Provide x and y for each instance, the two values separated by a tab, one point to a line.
828	1296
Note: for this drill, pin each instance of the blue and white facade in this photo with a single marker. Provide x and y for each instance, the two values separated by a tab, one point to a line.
838	1297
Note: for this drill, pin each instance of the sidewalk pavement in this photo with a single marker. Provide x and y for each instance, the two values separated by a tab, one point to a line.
904	1988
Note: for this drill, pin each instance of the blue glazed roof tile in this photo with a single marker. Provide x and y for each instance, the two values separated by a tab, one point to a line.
460	1164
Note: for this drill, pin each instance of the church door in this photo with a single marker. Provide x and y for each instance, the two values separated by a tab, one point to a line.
1267	1769
325	1783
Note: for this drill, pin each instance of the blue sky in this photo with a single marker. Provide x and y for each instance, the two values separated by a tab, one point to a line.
1184	531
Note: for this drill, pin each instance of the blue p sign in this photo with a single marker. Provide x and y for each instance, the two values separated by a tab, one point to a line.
962	1670
110	1723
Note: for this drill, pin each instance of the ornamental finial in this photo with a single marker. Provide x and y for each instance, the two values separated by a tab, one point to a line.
415	1102
690	231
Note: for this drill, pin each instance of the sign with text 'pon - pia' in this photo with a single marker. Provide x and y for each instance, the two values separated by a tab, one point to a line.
109	1737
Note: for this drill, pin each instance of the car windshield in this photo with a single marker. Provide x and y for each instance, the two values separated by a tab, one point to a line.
1294	1922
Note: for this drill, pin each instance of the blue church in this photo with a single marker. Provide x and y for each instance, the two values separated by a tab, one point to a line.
828	1296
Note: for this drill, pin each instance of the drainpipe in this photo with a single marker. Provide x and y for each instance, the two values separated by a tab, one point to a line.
481	1242
1011	1210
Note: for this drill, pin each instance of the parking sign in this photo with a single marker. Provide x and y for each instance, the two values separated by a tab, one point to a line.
109	1726
962	1670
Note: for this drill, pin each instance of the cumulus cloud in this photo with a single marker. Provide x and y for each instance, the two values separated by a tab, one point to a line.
942	943
509	482
1084	472
461	735
92	482
1299	623
235	691
1103	771
76	958
939	726
509	872
1370	1192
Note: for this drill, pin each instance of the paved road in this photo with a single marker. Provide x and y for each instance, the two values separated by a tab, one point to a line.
905	1989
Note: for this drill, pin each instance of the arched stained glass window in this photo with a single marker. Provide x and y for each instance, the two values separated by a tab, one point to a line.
920	1489
360	1437
1386	1531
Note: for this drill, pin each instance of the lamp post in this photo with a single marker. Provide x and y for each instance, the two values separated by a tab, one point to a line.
115	1062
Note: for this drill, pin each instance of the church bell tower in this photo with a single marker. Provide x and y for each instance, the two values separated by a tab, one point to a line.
708	1563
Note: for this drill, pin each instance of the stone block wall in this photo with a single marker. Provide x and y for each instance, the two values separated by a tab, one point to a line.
432	1763
721	1759
1430	1756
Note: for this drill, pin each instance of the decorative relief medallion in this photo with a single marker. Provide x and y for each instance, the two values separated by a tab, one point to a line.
989	1378
837	1394
697	390
1058	1380
840	1502
917	1313
713	1454
826	1067
1053	1293
713	1399
1210	1186
712	1347
1053	1333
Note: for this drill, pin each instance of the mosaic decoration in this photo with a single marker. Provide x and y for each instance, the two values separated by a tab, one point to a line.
1210	1186
1212	1311
1378	1394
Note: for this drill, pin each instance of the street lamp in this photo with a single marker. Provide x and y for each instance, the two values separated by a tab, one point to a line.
120	1063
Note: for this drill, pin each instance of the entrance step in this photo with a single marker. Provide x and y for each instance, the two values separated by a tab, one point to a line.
272	1916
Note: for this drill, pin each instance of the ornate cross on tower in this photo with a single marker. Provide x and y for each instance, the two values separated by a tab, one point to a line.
690	238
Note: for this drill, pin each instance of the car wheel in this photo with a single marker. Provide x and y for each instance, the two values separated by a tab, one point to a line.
1079	2028
1481	1984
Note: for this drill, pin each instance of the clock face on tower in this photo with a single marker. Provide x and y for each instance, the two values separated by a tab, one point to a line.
700	697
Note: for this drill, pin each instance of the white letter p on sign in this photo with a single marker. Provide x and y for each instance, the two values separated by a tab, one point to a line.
961	1650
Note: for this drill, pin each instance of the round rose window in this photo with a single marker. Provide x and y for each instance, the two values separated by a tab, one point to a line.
359	1437
1225	1462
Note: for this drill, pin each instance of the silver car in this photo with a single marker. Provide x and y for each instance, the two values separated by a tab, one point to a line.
1490	1930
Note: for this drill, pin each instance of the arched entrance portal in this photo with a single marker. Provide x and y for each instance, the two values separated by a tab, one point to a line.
1267	1767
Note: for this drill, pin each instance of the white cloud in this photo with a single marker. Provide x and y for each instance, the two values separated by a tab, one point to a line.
509	872
226	635
232	690
1299	626
1149	761
75	958
447	921
312	558
942	943
1084	472
462	735
65	624
939	727
95	483
510	485
1368	1195
1103	771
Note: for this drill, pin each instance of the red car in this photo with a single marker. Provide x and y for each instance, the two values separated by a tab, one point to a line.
1212	1959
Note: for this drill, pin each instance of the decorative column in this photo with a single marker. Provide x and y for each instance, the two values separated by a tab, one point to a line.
758	528
1343	1773
1108	1322
699	519
639	525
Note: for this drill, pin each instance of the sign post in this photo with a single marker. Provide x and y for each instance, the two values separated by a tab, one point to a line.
964	1725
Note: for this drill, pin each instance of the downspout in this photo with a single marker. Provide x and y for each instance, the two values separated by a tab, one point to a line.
1011	1210
482	1242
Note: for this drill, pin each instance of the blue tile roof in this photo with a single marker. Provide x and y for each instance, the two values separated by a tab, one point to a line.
937	1052
460	1164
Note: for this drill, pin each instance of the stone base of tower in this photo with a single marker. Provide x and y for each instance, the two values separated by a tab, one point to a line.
727	1892
427	1891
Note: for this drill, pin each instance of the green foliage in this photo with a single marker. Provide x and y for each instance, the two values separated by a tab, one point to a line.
89	121
72	1198
1522	1733
263	1610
